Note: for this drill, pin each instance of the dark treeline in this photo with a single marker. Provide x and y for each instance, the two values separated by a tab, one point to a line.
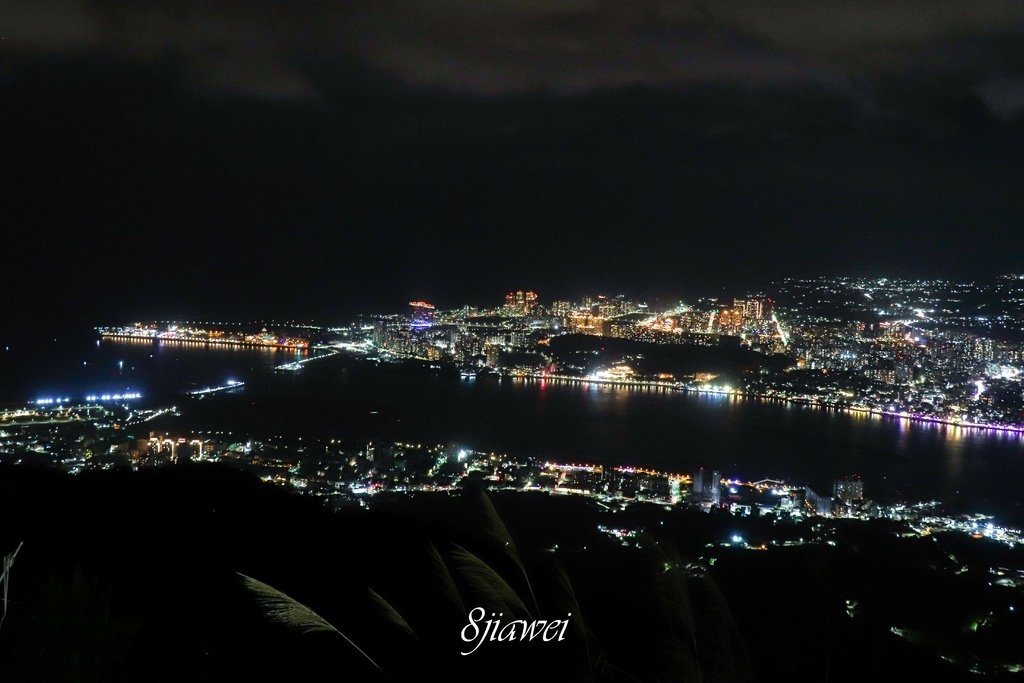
649	358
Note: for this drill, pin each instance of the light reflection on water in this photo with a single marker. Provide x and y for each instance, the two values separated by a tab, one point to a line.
654	426
795	441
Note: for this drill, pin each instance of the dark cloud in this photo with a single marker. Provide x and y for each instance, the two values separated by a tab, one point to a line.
1004	97
280	50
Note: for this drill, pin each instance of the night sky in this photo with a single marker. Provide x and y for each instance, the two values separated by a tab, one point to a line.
177	158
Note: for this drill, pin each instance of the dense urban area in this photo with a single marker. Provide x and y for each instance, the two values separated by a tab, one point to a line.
927	350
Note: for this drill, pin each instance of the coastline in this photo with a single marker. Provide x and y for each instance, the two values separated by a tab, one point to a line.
748	395
203	342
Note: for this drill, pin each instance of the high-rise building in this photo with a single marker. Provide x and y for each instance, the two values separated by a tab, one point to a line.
713	488
381	328
849	490
707	487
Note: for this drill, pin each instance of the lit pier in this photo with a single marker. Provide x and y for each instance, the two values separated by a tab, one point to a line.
297	365
230	385
329	351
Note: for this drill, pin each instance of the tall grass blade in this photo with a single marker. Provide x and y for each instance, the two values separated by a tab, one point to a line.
495	530
486	583
443	579
287	611
566	601
679	645
728	661
391	615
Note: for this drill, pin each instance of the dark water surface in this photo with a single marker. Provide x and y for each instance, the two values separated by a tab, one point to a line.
342	397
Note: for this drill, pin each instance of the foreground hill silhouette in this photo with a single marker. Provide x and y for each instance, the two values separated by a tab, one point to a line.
136	576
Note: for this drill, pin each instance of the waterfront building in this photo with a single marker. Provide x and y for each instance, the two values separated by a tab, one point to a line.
822	505
848	491
707	487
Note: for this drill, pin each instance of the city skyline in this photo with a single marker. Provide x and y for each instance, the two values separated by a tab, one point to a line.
928	351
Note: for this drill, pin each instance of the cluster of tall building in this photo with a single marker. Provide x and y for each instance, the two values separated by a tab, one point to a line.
520	303
481	336
595	315
466	336
748	320
847	497
744	316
